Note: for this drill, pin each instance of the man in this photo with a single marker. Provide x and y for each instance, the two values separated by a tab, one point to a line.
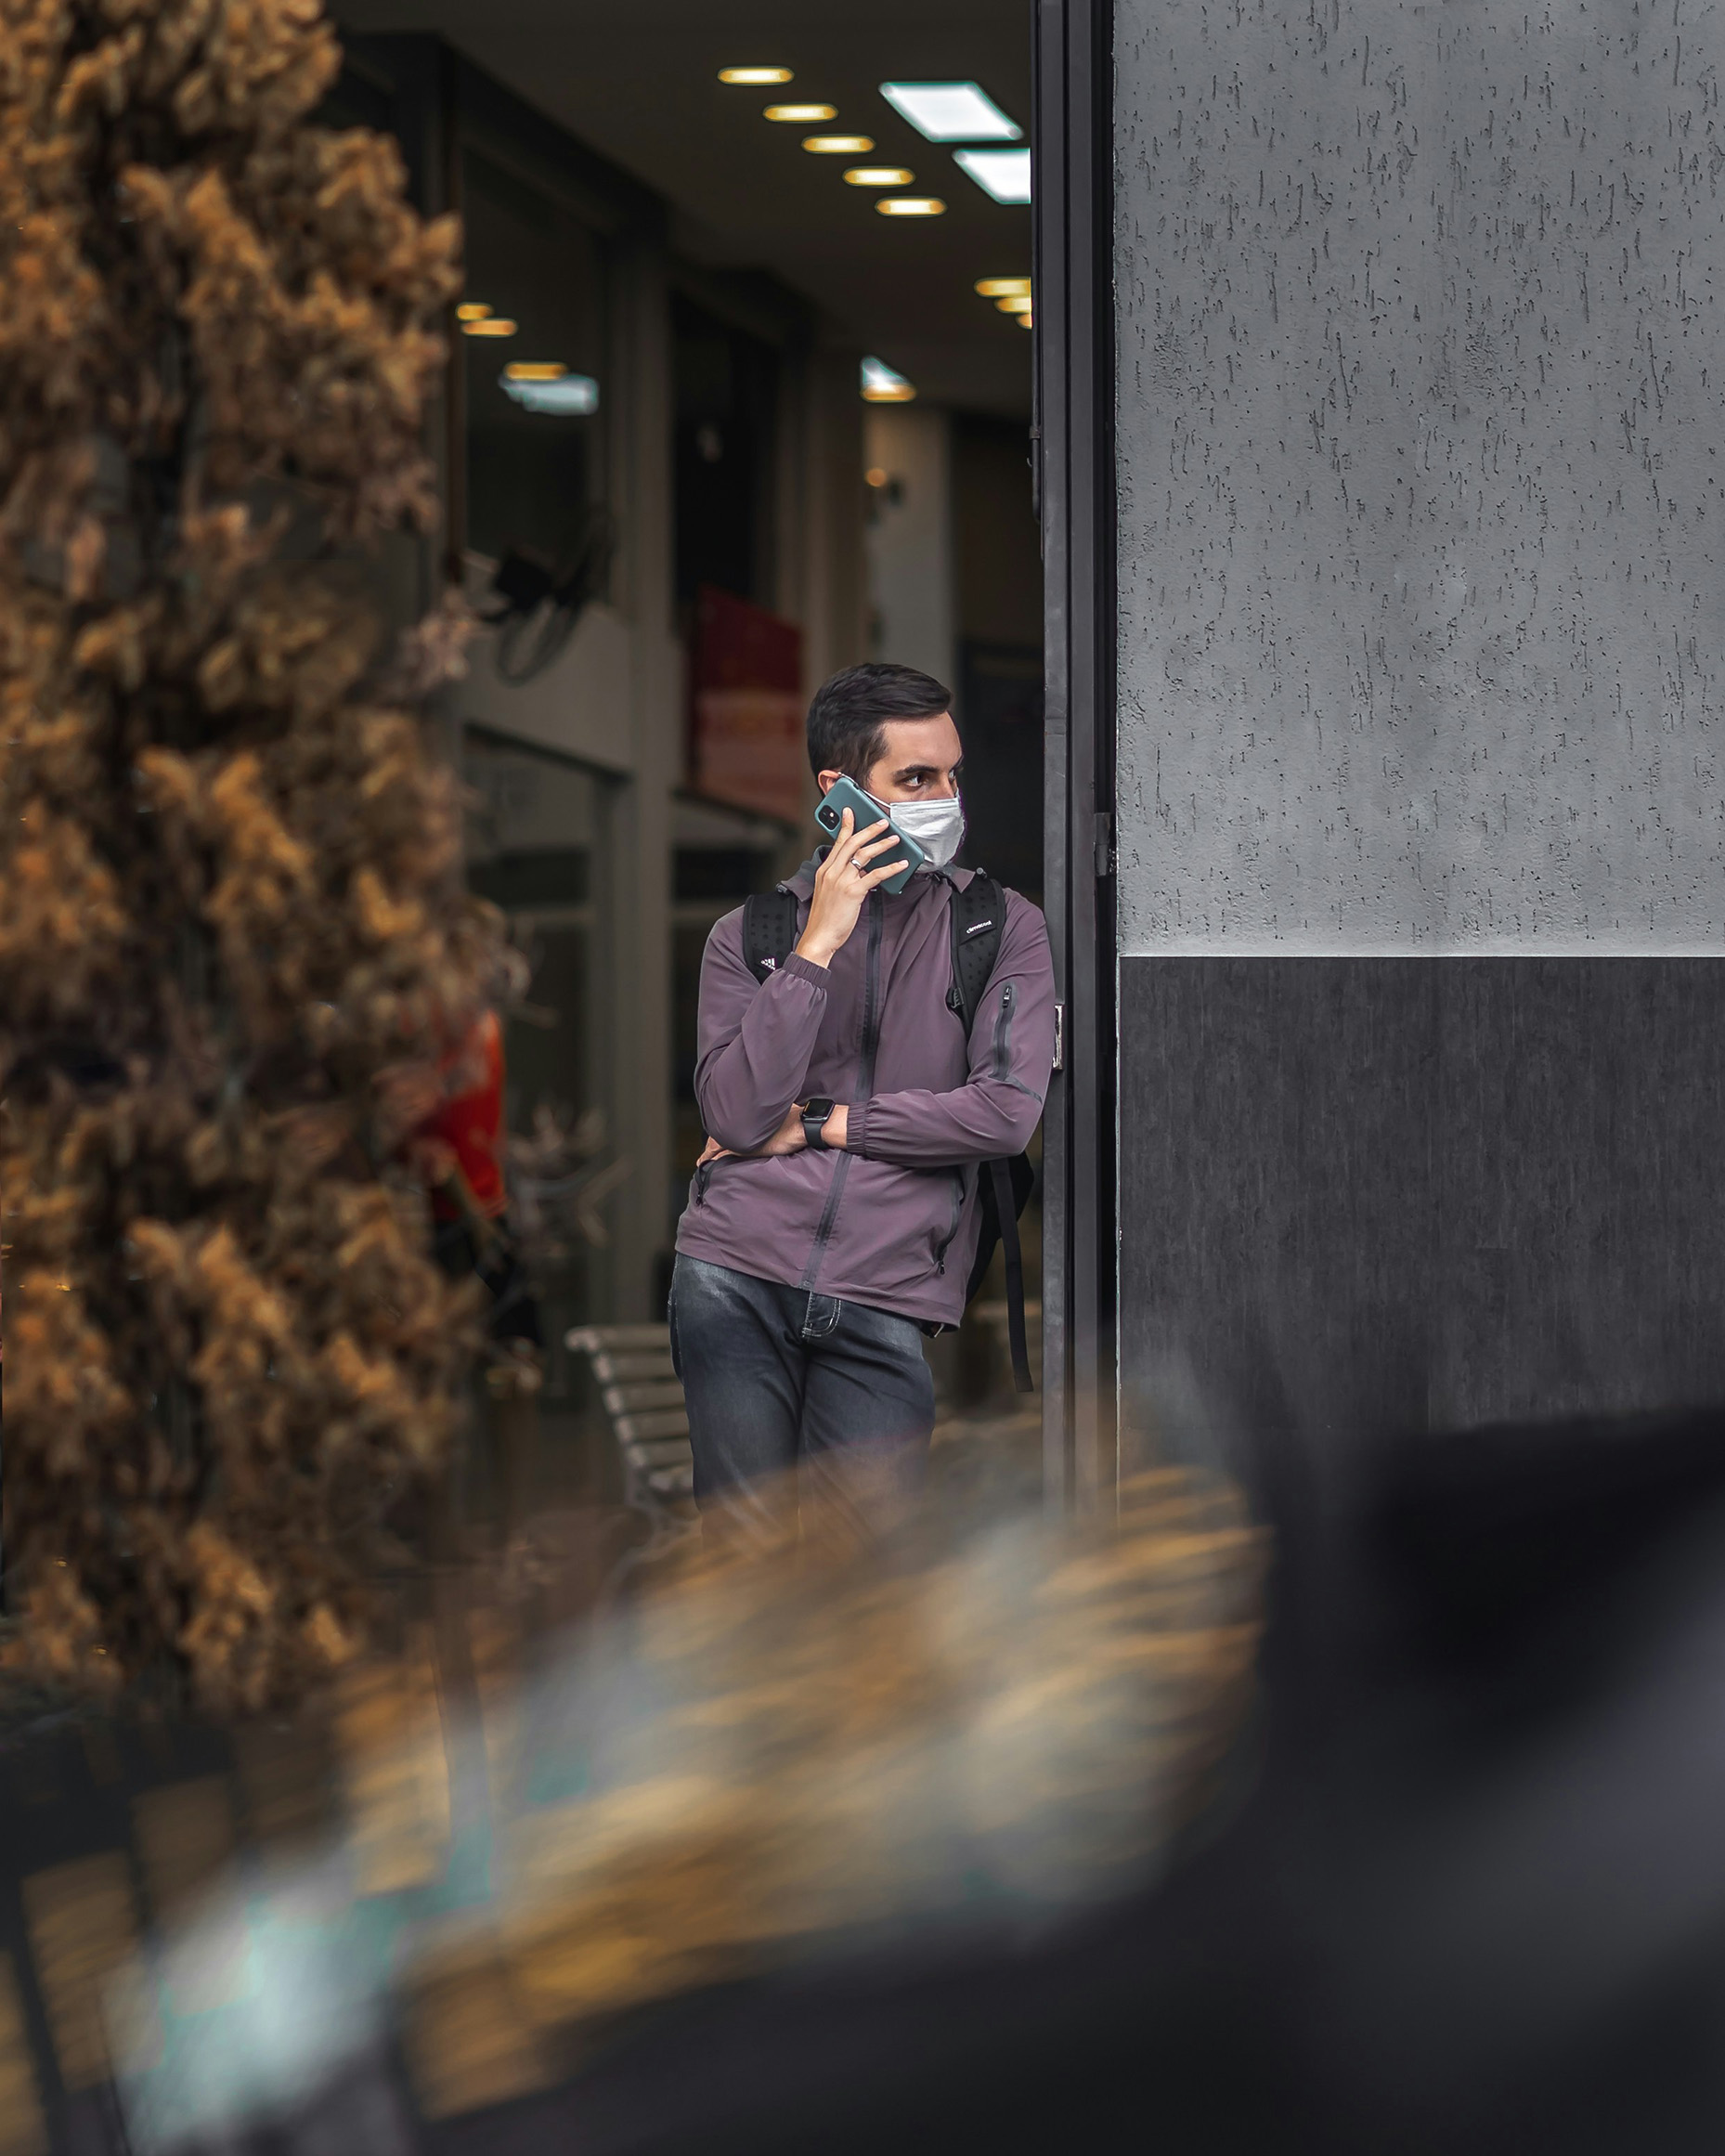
834	1215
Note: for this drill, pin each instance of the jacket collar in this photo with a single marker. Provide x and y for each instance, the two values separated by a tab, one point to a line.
802	883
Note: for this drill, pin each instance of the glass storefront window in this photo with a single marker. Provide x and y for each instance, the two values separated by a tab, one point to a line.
536	394
727	386
540	845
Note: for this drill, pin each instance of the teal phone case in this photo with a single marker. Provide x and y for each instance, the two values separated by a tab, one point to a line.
846	793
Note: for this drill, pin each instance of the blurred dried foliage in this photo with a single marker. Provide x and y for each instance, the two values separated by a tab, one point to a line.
229	876
767	1757
787	1744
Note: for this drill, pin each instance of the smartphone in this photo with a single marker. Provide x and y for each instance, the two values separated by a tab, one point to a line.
846	793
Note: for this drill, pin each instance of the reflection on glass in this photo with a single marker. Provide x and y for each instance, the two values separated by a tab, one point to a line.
538	843
535	461
727	390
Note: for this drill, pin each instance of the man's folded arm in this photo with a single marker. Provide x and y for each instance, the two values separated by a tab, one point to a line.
994	1112
755	1039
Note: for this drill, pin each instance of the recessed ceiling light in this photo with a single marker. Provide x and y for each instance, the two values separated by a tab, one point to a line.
472	311
879	175
1004	174
911	206
838	145
534	370
560	396
802	116
1002	287
951	111
875	475
754	75
492	326
1024	321
1017	303
884	384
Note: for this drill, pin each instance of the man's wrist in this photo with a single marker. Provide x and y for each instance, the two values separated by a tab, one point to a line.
838	1129
815	953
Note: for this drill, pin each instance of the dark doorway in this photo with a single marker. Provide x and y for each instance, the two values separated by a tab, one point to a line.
727	397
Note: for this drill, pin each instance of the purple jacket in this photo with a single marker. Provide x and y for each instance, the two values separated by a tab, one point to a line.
891	1221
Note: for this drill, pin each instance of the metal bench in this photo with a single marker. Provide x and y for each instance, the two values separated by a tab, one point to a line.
642	1396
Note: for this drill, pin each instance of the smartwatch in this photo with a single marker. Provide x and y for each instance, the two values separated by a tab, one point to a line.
814	1115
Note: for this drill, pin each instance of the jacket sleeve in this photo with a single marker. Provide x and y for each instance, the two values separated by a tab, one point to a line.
992	1114
755	1039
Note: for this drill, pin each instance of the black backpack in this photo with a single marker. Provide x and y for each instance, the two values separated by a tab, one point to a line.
978	915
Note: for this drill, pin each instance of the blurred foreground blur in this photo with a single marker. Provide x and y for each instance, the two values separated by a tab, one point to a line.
1003	1840
437	1896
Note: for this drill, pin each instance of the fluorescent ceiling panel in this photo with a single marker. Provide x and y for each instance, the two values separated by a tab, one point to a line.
570	397
951	111
884	384
1004	174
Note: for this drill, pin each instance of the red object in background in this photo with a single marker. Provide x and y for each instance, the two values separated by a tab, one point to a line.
471	1120
747	747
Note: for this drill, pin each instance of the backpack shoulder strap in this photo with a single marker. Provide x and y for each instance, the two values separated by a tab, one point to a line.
769	929
979	916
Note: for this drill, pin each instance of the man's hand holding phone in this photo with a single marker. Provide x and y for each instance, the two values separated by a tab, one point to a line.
852	869
843	881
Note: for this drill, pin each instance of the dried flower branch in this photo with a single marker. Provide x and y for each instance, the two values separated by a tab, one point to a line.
229	874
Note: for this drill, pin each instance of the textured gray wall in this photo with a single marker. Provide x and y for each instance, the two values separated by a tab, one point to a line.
1422	348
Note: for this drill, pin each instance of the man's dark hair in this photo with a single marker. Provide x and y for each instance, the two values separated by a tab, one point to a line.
849	711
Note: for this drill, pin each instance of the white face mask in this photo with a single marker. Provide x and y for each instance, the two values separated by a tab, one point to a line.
937	826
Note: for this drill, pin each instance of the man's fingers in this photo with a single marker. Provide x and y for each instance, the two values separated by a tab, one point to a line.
874	875
847	843
842	843
867	852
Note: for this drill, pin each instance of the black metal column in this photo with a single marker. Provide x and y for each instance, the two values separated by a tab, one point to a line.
1074	358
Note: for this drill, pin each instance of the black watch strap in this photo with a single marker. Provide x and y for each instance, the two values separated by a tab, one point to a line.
814	1115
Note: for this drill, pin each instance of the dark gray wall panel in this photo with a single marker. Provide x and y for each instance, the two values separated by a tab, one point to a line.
1364	1197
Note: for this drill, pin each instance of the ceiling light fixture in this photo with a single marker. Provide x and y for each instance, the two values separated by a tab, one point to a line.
560	396
1004	174
1024	321
490	326
472	311
884	384
951	111
754	75
879	175
911	206
534	370
1017	303
1002	287
838	145
801	115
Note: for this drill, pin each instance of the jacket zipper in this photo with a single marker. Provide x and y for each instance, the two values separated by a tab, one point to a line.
1002	1034
865	1081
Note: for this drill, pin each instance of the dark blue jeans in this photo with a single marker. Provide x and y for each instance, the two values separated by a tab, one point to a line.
797	1401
